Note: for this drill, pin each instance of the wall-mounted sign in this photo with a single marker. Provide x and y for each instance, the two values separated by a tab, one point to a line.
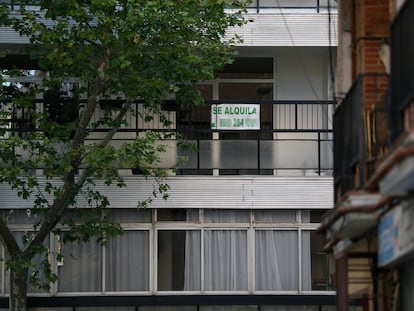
235	117
396	234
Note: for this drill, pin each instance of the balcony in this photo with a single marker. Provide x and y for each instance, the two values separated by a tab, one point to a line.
393	175
360	133
295	138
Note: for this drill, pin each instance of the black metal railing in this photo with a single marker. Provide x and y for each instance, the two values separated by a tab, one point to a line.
294	135
402	67
360	132
350	141
276	6
257	5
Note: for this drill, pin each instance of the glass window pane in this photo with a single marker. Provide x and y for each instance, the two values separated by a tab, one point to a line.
190	155
317	265
229	308
215	215
289	154
327	155
278	216
179	260
316	215
49	309
276	260
313	216
127	262
81	267
290	308
331	3
289	3
228	154
177	214
21	216
225	263
167	308
138	215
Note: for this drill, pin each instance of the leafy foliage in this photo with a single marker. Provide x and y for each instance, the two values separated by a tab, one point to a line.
130	50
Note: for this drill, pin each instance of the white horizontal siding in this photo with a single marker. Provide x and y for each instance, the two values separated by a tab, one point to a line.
9	36
213	192
265	30
288	30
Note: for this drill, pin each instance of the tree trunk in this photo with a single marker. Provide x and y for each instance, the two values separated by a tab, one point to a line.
18	290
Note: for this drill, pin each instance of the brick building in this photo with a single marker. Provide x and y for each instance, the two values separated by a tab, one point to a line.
368	230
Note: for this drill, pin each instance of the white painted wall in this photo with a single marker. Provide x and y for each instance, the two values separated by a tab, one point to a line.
301	73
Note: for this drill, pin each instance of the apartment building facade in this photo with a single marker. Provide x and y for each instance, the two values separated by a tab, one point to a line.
369	229
238	230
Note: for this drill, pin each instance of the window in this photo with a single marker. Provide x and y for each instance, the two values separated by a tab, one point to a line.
177	214
179	260
276	260
192	250
127	262
225	262
317	265
81	267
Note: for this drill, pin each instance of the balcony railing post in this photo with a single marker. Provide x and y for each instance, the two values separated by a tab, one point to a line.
296	116
319	152
258	153
198	154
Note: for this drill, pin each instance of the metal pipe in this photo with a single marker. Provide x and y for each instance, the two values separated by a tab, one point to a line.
341	211
385	166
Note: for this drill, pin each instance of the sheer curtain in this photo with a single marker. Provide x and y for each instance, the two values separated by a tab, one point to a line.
81	268
276	258
225	263
192	261
306	261
127	262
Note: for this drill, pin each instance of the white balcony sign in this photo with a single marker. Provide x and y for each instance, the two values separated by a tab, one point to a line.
235	117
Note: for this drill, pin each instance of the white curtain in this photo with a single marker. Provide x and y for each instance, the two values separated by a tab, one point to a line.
81	269
127	262
192	264
225	263
306	261
276	258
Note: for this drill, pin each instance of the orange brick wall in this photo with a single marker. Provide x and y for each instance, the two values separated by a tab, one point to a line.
371	25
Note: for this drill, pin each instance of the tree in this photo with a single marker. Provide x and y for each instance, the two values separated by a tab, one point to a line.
131	50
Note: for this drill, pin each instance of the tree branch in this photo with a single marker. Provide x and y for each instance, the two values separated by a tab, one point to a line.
70	190
8	239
